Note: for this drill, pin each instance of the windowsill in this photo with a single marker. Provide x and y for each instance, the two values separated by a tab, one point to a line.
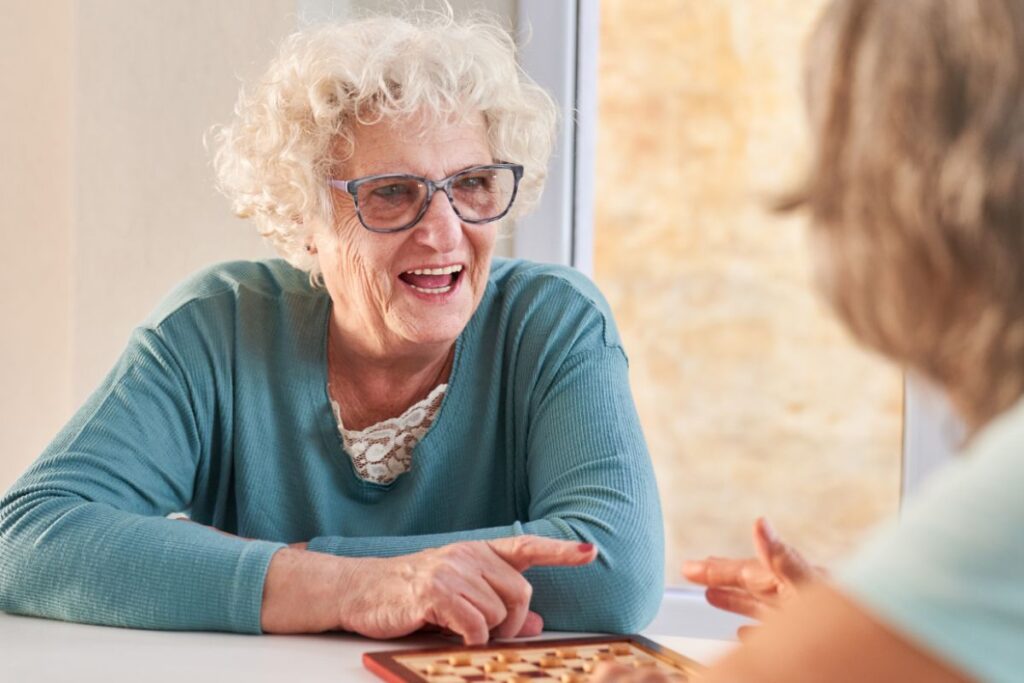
685	613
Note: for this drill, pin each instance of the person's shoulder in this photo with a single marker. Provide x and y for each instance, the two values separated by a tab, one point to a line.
1001	442
948	572
269	281
560	294
543	279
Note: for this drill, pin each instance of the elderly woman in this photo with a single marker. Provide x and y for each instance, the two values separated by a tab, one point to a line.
917	204
420	422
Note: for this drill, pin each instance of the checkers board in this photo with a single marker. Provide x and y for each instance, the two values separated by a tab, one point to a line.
538	661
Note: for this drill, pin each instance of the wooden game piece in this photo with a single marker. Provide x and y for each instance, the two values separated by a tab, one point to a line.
566	653
588	667
621	649
495	667
436	669
459	659
508	657
603	656
549	662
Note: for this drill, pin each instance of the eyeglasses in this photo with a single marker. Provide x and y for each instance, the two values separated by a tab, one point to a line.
393	202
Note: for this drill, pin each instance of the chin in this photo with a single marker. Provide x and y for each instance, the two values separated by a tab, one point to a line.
434	321
437	329
430	325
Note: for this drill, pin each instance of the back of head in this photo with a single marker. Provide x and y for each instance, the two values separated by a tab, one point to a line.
294	126
916	191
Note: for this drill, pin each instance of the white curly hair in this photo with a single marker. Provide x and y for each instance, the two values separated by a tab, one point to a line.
273	160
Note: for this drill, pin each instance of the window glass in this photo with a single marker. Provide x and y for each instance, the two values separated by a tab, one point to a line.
753	398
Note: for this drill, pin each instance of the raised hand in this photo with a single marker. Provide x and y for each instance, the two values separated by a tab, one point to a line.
753	586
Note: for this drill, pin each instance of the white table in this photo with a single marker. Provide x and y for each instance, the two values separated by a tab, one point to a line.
41	650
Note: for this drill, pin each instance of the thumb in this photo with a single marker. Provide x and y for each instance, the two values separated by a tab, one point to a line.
788	565
532	626
523	552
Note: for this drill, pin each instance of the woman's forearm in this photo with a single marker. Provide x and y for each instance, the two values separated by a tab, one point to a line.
619	592
65	558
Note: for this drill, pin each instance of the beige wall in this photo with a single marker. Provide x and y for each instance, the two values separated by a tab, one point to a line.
35	211
107	194
152	77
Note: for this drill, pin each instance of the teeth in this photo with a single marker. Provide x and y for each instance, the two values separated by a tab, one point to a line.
439	290
447	270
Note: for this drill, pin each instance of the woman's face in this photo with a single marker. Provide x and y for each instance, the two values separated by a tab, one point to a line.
372	277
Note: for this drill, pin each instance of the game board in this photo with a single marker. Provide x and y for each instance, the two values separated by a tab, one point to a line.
565	661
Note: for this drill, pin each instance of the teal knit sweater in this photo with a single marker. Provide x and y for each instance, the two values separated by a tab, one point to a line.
218	407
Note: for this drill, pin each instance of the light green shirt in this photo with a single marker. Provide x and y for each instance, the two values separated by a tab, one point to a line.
950	574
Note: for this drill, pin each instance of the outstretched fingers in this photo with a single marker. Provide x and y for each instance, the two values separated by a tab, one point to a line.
720	572
785	562
715	571
737	601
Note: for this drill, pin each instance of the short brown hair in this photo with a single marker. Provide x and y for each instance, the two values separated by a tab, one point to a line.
916	186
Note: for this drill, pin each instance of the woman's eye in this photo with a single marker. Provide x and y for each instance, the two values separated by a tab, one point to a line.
474	183
393	191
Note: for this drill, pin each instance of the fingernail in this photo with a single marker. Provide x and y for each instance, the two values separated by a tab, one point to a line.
769	531
585	547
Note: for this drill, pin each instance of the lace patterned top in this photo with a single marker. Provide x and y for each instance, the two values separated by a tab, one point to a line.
383	451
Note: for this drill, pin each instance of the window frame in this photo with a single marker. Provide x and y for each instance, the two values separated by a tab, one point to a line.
559	49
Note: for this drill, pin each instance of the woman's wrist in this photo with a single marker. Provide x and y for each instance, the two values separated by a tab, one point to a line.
307	592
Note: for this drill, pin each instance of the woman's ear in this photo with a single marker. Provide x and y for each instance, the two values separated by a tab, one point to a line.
310	240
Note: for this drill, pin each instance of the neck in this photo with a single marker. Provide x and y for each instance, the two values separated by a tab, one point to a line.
372	383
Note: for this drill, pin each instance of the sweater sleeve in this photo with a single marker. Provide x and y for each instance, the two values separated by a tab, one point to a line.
590	480
84	534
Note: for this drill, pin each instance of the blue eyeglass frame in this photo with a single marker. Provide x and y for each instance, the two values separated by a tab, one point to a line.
445	184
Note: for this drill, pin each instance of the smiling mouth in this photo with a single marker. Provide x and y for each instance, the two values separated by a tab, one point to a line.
432	280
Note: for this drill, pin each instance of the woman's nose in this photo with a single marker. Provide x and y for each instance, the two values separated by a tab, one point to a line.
440	227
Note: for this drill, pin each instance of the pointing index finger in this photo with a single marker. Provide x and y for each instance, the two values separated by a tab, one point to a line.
523	552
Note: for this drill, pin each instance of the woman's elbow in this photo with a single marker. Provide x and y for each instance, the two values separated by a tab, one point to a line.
626	602
607	597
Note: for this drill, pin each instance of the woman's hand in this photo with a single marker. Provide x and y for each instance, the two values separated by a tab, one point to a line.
472	589
754	586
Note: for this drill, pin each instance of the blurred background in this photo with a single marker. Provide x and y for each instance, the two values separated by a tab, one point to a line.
683	117
753	399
